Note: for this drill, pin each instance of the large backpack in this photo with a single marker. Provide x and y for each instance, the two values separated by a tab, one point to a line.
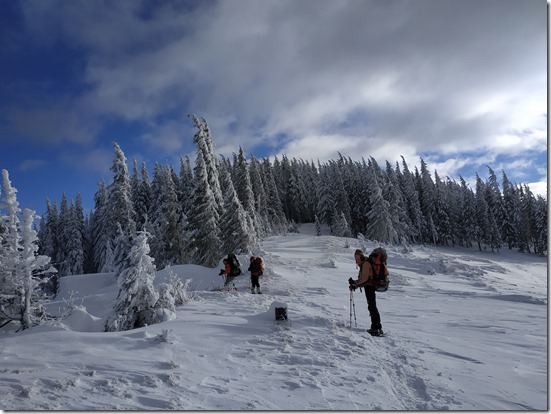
257	268
235	266
377	258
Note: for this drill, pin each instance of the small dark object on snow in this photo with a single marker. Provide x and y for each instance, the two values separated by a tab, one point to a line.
281	314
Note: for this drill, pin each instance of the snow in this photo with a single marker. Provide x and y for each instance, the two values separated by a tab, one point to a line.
467	330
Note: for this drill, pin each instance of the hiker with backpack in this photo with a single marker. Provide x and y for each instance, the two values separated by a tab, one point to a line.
372	269
231	270
257	269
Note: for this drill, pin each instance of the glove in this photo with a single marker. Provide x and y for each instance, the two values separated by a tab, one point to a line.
221	272
351	284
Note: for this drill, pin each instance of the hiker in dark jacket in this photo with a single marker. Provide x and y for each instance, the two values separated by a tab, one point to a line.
256	270
366	281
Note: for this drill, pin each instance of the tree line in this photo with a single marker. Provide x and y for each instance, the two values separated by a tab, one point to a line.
220	205
224	205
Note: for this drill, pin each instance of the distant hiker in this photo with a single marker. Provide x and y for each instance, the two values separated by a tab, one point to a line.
366	279
226	272
257	269
231	270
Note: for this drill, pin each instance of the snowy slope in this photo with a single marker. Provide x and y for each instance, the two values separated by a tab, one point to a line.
467	331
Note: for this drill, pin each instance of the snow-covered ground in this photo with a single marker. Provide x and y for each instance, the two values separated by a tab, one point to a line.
467	330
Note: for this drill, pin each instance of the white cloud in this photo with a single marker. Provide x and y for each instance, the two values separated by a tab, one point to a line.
539	188
400	78
30	165
98	160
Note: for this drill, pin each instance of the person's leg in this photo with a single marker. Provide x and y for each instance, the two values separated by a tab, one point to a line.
372	307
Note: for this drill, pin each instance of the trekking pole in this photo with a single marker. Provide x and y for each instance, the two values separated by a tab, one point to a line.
352	307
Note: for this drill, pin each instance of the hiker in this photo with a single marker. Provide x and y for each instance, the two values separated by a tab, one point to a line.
256	270
366	280
231	270
226	272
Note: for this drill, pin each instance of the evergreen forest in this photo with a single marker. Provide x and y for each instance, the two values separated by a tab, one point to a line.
197	215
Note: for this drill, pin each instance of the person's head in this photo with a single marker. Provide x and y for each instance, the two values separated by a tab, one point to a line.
252	258
226	261
359	256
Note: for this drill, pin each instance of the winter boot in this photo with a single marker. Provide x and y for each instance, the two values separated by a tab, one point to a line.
258	290
375	332
252	291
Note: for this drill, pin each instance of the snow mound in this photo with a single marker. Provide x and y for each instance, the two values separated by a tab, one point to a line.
81	321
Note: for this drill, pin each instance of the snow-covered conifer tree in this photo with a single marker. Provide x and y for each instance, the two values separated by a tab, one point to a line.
204	219
317	225
101	240
235	232
397	204
242	182
342	229
120	194
326	199
481	218
281	171
243	188
119	199
494	198
165	221
441	215
137	297
379	227
411	196
355	191
48	245
427	202
275	214
74	254
20	264
141	195
540	225
511	206
296	201
206	147
185	184
64	237
260	197
467	225
121	246
527	223
89	266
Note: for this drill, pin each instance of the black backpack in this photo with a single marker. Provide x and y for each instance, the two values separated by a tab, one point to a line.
234	264
377	259
256	267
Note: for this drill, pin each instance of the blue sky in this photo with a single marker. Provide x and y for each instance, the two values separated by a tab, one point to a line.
461	83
